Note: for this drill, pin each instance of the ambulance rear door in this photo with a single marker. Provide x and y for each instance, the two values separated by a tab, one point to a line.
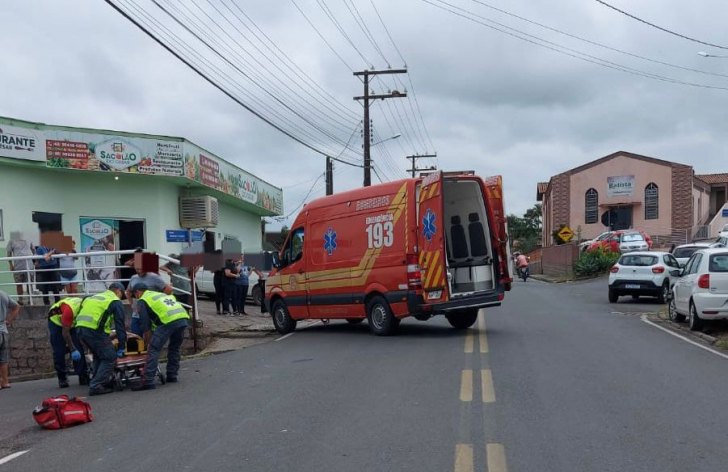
493	190
431	237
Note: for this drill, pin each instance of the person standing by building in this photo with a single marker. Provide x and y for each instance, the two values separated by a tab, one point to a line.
9	310
151	280
241	284
93	322
68	272
61	318
217	281
163	319
47	273
180	279
23	270
229	299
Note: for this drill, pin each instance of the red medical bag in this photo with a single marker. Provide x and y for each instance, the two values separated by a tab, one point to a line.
62	412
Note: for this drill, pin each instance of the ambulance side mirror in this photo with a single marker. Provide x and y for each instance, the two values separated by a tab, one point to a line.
276	261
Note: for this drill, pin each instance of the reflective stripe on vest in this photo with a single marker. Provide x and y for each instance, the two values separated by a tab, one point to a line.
165	308
55	314
94	311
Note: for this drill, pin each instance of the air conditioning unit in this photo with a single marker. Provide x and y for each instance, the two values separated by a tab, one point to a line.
198	212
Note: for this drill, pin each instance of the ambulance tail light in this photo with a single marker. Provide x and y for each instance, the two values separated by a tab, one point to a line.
414	272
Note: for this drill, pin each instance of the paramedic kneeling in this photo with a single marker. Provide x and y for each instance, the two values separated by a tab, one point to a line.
93	323
162	318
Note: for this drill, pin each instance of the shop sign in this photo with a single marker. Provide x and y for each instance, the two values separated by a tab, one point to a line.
21	143
118	154
620	186
96	229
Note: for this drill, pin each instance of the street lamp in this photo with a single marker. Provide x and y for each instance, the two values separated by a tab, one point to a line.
387	139
705	54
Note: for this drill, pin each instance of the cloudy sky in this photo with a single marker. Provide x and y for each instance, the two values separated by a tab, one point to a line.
486	100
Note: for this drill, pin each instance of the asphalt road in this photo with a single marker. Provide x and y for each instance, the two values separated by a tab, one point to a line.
558	380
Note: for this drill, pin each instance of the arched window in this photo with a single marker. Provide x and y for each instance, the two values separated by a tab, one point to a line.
652	195
591	204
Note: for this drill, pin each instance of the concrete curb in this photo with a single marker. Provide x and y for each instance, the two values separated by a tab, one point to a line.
678	327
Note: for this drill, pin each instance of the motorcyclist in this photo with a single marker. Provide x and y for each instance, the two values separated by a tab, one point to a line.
522	265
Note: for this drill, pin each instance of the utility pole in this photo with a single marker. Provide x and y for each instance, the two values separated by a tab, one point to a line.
329	175
366	98
420	156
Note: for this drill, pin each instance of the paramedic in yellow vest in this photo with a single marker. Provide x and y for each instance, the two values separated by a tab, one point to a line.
162	318
94	321
61	320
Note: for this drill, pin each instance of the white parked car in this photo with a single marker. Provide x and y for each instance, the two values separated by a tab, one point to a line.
629	242
642	274
682	253
701	291
723	231
585	244
204	279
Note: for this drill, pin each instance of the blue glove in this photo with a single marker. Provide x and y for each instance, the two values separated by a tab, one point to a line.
120	353
75	355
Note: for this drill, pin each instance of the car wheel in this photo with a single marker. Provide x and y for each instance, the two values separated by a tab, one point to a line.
664	293
696	324
381	320
672	311
613	297
257	295
282	320
462	319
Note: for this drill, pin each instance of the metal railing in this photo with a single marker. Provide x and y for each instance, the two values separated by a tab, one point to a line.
91	285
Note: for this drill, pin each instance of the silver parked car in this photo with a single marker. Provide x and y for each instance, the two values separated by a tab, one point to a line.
629	242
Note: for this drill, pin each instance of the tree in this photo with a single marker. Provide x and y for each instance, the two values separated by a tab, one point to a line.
526	231
284	233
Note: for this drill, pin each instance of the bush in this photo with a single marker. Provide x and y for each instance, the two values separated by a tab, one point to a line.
595	262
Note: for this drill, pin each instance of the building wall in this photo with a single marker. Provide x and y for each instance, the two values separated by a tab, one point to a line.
701	203
683	213
76	195
644	172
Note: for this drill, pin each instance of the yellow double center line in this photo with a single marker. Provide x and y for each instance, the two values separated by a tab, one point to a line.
464	453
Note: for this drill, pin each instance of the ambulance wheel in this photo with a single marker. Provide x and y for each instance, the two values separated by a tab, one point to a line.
462	319
381	320
282	319
354	321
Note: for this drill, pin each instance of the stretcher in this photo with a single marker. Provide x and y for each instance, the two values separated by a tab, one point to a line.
128	370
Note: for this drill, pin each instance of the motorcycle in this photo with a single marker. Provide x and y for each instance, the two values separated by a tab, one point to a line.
524	273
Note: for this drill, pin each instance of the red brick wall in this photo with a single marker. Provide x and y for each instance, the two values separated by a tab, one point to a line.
559	261
682	197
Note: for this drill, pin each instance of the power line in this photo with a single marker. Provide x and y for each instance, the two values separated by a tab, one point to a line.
594	43
336	23
282	218
322	36
660	27
565	50
359	20
209	78
301	115
404	63
297	71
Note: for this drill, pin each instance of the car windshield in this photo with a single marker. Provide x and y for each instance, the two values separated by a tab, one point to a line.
637	260
603	236
718	263
685	252
725	228
632	238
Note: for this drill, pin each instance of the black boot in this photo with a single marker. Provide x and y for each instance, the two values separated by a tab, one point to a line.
63	382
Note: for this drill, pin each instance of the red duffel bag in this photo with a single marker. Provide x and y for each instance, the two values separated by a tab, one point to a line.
62	412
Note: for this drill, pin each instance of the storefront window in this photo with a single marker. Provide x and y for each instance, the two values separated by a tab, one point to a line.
592	206
651	202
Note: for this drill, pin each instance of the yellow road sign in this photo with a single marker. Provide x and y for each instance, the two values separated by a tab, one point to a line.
566	234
